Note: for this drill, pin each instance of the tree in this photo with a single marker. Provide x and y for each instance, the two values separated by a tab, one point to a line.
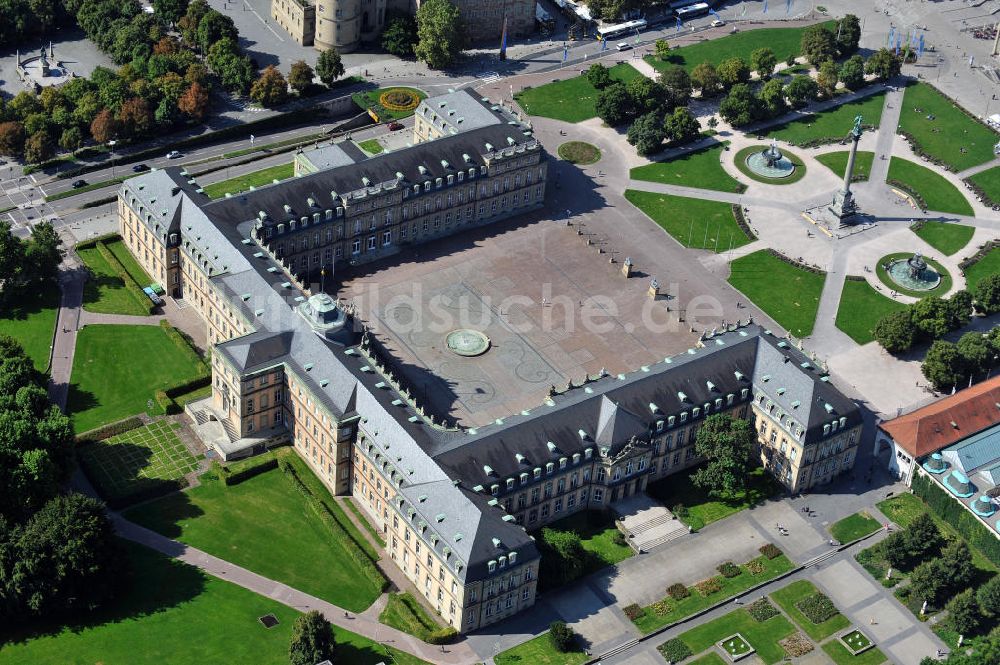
135	118
988	597
439	33
988	294
763	61
895	331
11	260
732	71
214	26
895	551
772	98
964	615
681	126
39	147
927	581
960	309
727	443
847	35
827	78
170	10
329	67
956	560
740	107
646	133
270	89
852	72
12	136
71	139
104	127
563	556
801	90
704	77
932	316
188	23
233	68
562	636
923	538
883	65
312	640
300	76
662	49
399	36
24	104
598	76
614	105
41	252
677	84
646	94
943	366
194	101
818	44
976	352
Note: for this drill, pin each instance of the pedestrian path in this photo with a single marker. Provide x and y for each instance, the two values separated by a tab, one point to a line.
886	135
95	318
978	169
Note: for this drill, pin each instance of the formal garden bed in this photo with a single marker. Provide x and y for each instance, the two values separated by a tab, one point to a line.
837	162
393	103
698	168
931	191
740	161
853	527
809	608
572	99
787	292
694	223
943	131
856	642
763	636
579	152
861	308
945	238
735	646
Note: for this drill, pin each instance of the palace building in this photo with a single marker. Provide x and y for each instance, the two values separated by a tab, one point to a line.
454	504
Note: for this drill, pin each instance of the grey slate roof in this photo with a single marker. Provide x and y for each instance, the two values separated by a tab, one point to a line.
459	111
332	155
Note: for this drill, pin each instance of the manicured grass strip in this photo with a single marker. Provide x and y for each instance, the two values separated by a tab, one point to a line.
539	651
703	508
105	292
405	613
860	309
369	99
579	152
571	100
270	146
989	182
117	370
762	636
694	223
151	623
88	188
783	41
265	525
371	146
942	288
796	175
831	125
132	267
837	162
253	179
351	506
853	527
841	656
988	265
788	596
937	193
710	658
951	131
29	317
787	293
650	620
945	238
700	168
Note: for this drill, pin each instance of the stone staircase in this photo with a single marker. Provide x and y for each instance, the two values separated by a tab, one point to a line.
646	523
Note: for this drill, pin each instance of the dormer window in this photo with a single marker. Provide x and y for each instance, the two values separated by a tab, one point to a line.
549	468
510	483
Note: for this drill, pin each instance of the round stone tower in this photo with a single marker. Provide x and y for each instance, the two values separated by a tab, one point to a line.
338	24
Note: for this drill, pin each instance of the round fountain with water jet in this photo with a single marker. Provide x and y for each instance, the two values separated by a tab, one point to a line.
770	163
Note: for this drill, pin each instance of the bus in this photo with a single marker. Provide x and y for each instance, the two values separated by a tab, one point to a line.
627	28
691	11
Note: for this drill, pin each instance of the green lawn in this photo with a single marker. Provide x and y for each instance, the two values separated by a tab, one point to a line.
853	527
949	133
860	309
942	288
571	100
253	179
786	598
539	651
371	146
762	636
946	238
783	41
656	616
938	194
172	612
788	294
988	265
695	223
360	517
831	125
701	168
117	369
29	318
405	613
597	535
989	182
365	100
579	152
837	162
710	658
841	656
703	508
105	292
140	460
741	163
120	251
265	525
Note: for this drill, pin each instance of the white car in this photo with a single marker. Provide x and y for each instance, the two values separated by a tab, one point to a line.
623	46
717	22
173	154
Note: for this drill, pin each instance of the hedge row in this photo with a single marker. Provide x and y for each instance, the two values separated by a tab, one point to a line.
263	465
919	152
184	344
797	264
984	249
367	566
161	488
981	193
108	431
741	221
951	511
99	202
92	242
131	285
903	187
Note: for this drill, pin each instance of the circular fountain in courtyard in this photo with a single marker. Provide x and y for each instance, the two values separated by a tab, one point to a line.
770	163
913	273
466	342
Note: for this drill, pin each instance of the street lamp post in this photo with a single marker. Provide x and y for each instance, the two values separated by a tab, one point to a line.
111	144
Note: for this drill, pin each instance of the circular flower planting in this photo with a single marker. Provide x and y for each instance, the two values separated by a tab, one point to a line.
399	99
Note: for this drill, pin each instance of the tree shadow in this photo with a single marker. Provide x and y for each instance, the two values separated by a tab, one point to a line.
79	400
164	515
116	471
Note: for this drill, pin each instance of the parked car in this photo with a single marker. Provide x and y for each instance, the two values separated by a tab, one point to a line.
623	46
139	168
173	154
79	183
395	126
717	22
157	300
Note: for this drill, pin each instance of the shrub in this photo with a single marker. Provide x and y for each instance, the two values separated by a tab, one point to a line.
561	636
678	591
796	645
770	550
762	610
633	611
619	539
680	511
729	569
817	608
674	651
756	566
951	511
108	431
262	465
444	635
662	608
709	586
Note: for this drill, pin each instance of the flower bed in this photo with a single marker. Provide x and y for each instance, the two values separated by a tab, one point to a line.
674	651
817	608
735	647
856	641
399	99
796	645
762	610
729	569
